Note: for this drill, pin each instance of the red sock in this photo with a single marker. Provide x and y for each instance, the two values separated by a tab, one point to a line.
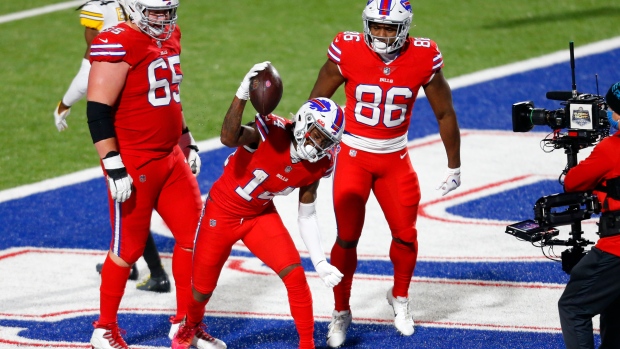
404	259
345	259
300	302
113	281
182	273
196	311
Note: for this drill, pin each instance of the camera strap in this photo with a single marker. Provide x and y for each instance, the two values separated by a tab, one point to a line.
609	224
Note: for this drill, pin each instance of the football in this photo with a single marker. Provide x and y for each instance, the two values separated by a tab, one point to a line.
266	90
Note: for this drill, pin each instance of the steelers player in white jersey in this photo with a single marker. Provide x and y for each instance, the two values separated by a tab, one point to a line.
95	15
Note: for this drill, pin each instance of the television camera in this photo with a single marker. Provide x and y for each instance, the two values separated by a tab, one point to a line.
580	123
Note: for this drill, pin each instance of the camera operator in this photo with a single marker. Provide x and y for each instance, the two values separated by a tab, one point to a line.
594	285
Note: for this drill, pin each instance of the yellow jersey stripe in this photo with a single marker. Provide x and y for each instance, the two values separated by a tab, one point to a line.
91	23
91	14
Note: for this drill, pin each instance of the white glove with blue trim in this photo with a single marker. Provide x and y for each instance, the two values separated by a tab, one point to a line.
451	181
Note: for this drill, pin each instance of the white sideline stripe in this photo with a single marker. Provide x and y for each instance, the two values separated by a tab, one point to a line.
40	11
78	177
531	64
535	63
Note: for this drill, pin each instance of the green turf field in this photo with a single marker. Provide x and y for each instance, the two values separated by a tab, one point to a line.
222	40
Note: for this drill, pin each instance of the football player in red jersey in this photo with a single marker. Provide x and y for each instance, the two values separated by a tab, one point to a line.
274	156
137	126
96	15
382	70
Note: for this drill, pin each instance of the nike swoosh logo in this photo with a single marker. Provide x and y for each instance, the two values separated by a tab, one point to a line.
455	183
403	156
104	41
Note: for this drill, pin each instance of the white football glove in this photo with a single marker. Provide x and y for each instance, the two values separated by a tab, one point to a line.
119	181
330	275
190	150
451	181
60	119
244	89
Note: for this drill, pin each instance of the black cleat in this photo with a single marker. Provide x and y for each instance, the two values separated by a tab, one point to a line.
159	284
132	276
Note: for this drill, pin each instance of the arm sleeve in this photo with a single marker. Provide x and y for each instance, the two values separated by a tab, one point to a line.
310	232
77	89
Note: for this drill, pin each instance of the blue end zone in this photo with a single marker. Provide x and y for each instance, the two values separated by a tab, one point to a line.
511	205
251	333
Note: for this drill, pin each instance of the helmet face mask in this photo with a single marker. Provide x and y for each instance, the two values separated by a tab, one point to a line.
143	13
319	125
392	12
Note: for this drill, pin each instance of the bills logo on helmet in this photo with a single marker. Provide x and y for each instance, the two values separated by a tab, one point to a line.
320	105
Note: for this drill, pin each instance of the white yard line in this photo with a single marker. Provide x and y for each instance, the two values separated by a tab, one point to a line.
534	63
40	11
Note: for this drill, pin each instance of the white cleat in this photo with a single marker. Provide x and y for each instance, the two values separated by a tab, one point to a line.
338	328
107	337
201	339
403	319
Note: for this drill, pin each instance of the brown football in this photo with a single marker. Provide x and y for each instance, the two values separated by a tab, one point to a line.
266	90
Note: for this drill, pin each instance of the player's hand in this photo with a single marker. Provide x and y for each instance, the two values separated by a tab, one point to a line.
190	150
119	181
451	181
244	89
330	275
60	119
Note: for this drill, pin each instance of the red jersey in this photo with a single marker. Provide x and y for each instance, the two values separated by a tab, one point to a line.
380	95
252	177
148	119
602	164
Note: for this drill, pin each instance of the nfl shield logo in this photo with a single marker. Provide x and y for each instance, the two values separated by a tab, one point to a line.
142	178
352	153
387	71
212	222
288	169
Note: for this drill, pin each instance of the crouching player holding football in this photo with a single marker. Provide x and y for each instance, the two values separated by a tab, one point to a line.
274	156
